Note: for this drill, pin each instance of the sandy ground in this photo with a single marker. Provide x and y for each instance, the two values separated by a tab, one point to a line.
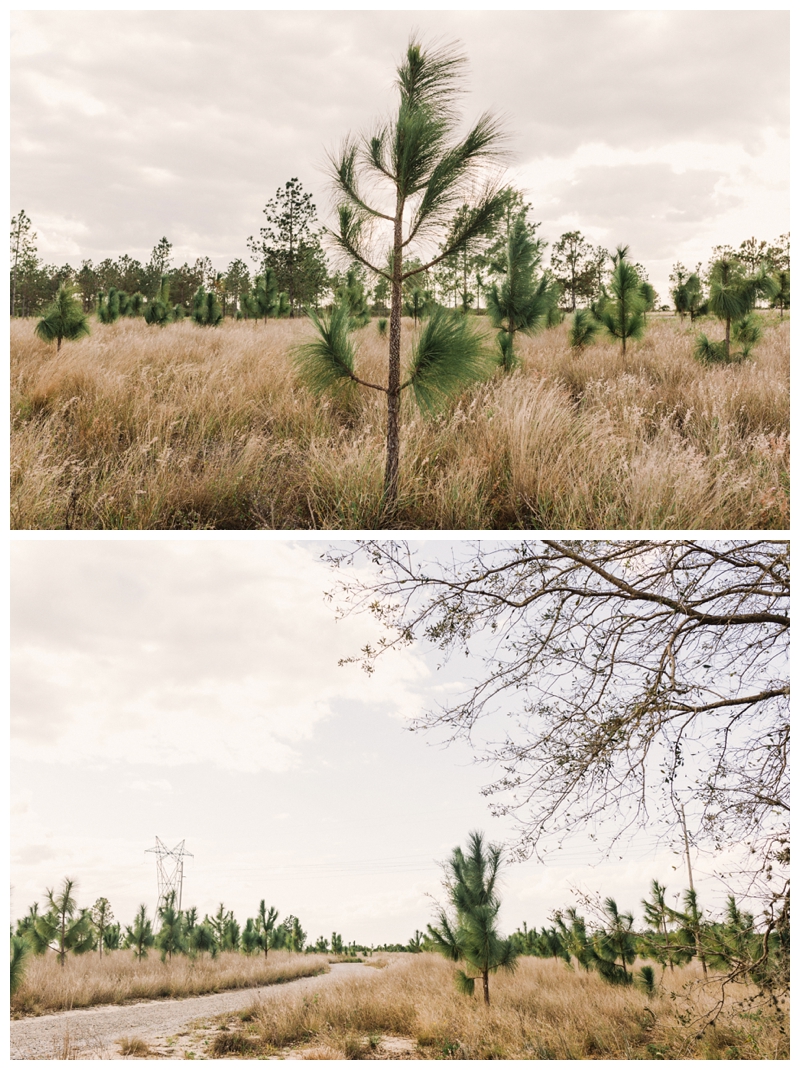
171	1029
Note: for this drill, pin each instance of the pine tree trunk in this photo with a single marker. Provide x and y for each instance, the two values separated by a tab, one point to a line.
393	391
728	337
486	987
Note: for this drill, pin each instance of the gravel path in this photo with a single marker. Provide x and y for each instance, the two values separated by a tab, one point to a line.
169	1027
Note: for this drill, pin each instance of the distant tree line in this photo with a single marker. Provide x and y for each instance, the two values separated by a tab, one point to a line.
291	272
63	928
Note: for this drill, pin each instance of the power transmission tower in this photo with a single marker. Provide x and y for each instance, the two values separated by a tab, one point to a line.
169	867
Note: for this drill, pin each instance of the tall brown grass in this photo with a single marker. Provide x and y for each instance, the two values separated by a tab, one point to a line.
543	1011
86	980
187	427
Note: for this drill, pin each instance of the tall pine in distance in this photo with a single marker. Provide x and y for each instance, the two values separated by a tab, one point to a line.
290	245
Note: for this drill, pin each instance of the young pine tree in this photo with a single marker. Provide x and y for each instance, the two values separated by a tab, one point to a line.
521	302
615	941
469	934
109	305
170	939
427	170
64	319
624	318
350	293
63	928
139	936
732	295
102	919
206	309
158	310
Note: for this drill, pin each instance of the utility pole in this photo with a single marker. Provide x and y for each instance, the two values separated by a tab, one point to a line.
695	920
686	843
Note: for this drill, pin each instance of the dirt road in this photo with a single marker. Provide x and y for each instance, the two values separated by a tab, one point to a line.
171	1028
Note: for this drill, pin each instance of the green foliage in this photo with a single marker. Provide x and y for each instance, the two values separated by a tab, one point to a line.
139	936
623	318
135	305
351	295
20	949
289	245
382	327
782	294
24	254
661	943
464	983
170	939
158	267
297	935
471	935
615	941
584	328
203	940
648	295
448	355
578	267
109	305
710	352
427	170
64	319
102	918
206	309
328	361
571	927
733	294
747	332
250	937
687	295
521	301
416	301
63	928
157	310
266	927
646	981
264	300
112	939
691	925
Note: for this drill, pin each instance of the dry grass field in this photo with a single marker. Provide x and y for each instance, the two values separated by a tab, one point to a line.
86	980
187	427
543	1011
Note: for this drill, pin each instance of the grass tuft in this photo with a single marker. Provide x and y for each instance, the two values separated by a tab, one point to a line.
134	1047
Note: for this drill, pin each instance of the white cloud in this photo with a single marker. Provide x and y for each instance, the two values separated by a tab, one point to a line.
60	96
174	654
232	104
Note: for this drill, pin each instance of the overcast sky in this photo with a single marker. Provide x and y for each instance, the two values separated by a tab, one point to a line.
191	690
664	131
